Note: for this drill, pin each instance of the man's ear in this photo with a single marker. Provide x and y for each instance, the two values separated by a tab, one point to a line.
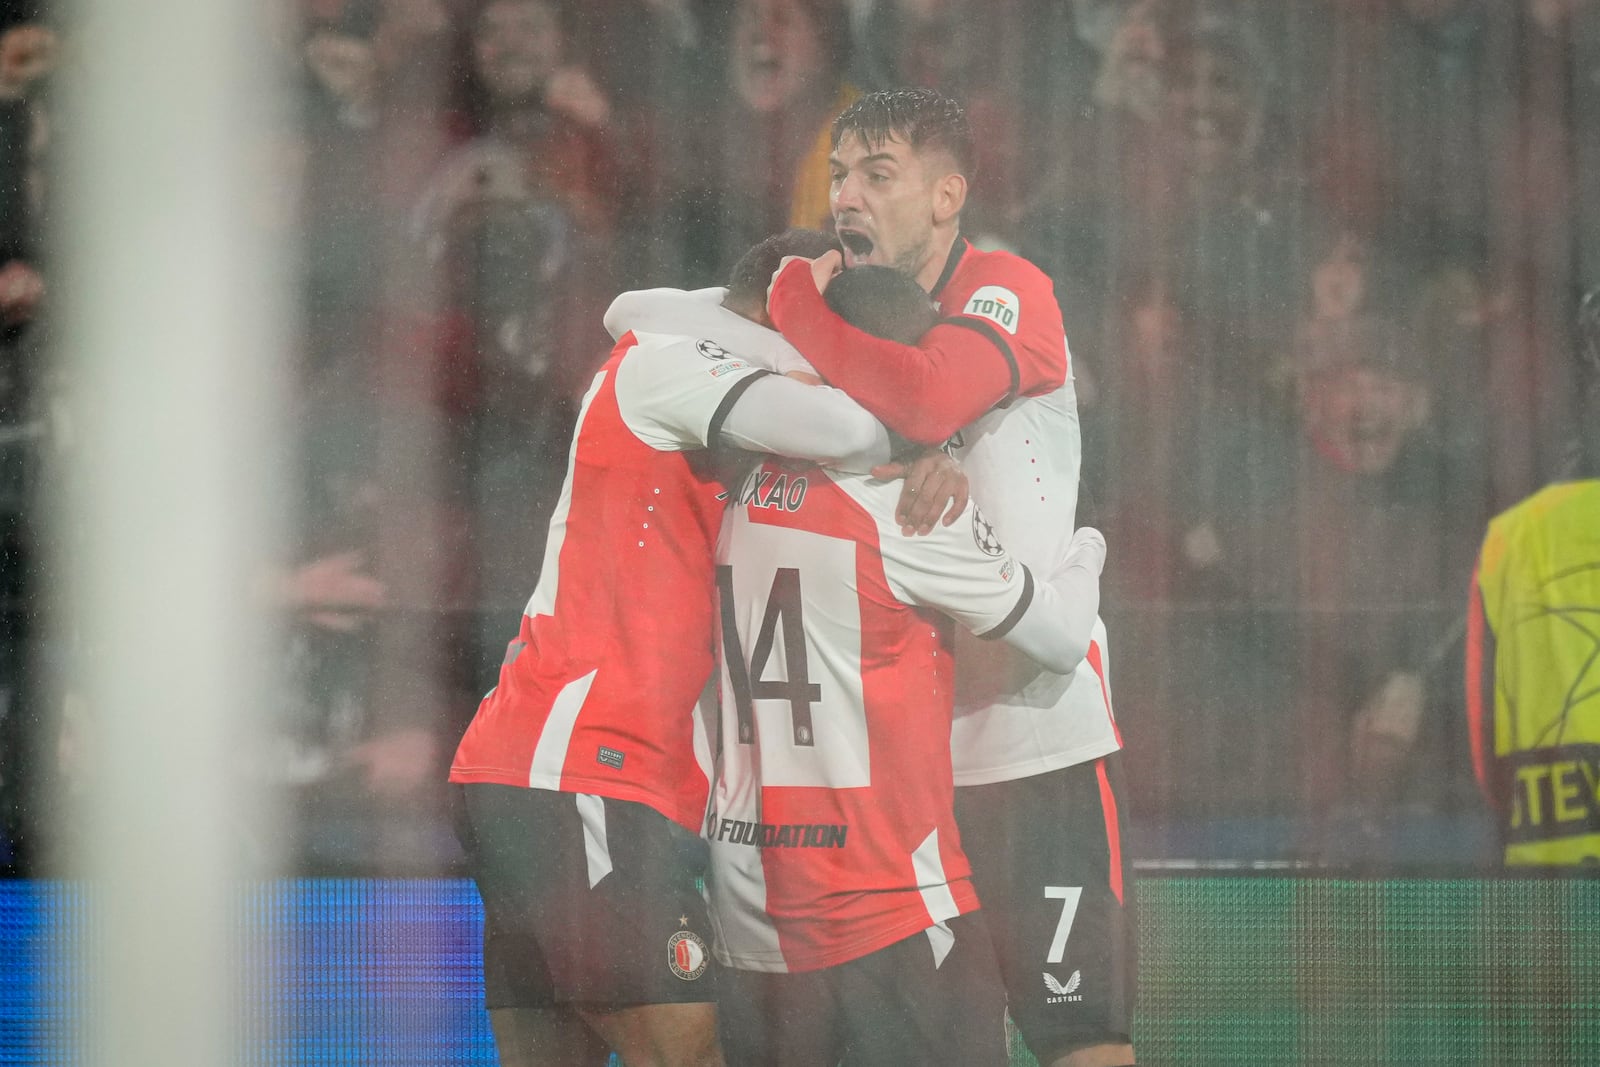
949	196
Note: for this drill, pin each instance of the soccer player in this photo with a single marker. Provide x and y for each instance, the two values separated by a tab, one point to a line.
1038	779
584	789
840	893
1036	764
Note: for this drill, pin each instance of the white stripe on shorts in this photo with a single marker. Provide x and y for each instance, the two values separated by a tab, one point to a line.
592	811
942	939
928	867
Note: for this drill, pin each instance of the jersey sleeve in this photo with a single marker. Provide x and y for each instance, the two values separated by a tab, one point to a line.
701	313
1013	303
961	570
674	393
1004	341
811	422
924	392
964	571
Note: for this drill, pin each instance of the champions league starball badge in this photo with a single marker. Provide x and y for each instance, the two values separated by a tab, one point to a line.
712	350
983	533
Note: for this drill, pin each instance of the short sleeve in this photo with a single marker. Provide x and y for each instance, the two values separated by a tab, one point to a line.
673	392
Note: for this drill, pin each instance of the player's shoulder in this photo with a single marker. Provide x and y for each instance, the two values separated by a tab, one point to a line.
1002	287
980	267
678	354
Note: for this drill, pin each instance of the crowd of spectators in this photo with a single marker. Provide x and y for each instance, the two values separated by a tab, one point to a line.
1315	259
28	55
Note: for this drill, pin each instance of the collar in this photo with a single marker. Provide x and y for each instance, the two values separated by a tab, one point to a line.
957	250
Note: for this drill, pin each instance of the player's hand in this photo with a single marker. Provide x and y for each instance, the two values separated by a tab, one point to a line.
823	268
935	485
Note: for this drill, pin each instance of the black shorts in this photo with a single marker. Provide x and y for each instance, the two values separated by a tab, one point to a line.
901	1005
587	901
1057	888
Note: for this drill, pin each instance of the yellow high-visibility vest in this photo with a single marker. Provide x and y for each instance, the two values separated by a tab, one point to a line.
1534	644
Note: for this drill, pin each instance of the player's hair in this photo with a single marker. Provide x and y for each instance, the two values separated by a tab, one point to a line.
884	302
748	281
921	118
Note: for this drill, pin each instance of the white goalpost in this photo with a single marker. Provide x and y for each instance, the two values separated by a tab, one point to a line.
171	326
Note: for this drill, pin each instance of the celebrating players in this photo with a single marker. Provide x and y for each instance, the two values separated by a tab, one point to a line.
1033	748
584	778
840	892
1035	751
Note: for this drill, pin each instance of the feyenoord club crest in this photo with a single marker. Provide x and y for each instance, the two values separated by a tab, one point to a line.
686	955
712	350
988	541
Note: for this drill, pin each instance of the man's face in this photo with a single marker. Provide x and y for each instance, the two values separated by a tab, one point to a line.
1133	74
1096	21
882	197
777	53
346	65
1360	416
1214	108
517	47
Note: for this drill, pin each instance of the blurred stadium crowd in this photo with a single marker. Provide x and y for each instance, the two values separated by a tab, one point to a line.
1317	259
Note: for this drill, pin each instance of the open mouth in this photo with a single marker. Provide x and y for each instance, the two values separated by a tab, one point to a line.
856	244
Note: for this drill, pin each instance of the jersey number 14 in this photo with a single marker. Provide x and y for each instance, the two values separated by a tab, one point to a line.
809	738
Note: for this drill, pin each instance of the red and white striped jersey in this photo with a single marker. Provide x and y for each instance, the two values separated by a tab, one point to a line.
598	692
999	363
1013	717
832	833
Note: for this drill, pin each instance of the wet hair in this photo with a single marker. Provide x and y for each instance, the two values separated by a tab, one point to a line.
921	118
748	281
884	302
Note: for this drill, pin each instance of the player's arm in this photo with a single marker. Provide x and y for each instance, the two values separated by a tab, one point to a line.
700	313
957	371
786	417
687	395
662	310
963	571
1055	625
